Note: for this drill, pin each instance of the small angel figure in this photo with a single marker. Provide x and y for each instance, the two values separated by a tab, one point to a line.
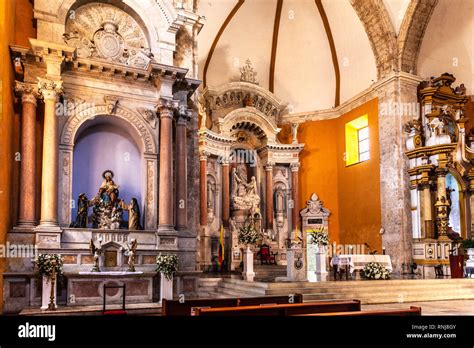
132	249
96	251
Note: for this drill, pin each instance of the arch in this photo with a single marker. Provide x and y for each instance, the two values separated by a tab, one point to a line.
74	123
412	30
381	33
148	147
144	11
252	116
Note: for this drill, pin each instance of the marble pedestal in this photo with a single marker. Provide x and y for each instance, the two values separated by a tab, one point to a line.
296	264
248	273
321	272
166	288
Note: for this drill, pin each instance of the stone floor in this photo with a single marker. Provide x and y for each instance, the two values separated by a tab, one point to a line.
450	307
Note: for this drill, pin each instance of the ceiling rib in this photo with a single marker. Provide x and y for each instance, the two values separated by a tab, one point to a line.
276	30
218	36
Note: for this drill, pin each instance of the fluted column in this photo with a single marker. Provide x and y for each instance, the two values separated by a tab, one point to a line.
203	189
269	195
225	193
181	173
295	167
165	214
50	90
29	95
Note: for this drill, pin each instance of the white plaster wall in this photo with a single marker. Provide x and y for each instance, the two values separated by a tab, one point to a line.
396	11
354	53
448	43
304	74
248	35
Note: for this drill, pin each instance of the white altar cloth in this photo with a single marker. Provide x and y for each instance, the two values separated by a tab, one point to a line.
357	262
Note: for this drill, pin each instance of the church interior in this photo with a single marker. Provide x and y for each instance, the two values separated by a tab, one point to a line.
216	149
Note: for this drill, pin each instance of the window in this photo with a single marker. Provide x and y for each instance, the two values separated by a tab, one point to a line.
364	146
357	141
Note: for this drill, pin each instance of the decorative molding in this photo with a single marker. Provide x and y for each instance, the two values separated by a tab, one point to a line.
74	123
356	101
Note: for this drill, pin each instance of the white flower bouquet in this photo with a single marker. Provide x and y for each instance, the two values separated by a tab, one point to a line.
167	264
47	264
319	237
375	270
248	235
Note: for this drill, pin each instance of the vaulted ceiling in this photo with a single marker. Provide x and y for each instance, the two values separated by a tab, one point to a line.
313	54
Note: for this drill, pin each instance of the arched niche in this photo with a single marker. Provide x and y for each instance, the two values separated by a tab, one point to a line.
125	124
106	143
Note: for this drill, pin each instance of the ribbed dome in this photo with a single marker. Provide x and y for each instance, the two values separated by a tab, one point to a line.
304	72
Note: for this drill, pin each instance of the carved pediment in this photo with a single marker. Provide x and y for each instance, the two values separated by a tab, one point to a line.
106	32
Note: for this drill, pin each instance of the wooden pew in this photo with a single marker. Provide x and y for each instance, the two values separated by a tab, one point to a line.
176	308
413	311
282	309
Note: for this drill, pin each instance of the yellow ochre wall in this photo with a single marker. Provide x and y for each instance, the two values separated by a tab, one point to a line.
352	193
15	27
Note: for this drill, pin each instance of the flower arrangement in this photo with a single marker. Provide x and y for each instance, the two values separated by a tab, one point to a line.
248	235
49	264
167	264
319	237
375	270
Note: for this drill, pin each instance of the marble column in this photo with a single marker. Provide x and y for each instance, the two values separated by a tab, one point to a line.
27	209
181	173
203	189
225	193
50	90
441	205
269	195
165	213
295	167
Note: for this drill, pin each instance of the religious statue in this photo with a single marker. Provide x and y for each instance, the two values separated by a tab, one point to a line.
82	212
132	249
108	191
96	251
133	214
107	211
202	111
244	194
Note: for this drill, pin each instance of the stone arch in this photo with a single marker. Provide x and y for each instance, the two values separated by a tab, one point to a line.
381	33
252	116
148	148
73	124
144	11
412	30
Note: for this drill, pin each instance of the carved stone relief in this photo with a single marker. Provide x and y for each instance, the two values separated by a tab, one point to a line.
107	32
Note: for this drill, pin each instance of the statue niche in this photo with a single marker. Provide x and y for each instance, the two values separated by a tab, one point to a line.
107	208
244	195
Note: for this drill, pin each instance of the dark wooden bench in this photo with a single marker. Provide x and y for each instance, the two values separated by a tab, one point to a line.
413	311
282	309
176	308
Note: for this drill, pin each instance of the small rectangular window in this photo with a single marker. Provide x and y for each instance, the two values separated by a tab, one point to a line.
364	145
357	140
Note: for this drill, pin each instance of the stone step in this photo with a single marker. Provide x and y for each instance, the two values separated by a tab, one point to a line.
368	292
